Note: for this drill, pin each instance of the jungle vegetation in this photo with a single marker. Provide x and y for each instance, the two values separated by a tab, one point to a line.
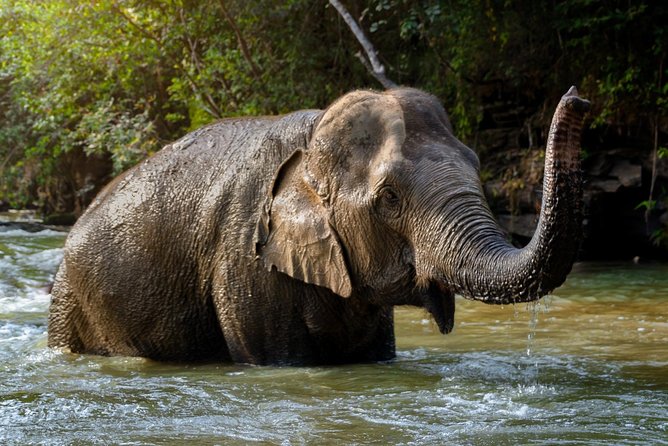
116	80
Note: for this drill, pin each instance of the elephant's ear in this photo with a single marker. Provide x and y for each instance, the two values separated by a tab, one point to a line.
294	234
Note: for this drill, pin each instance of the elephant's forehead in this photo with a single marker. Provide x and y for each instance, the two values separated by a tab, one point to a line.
363	118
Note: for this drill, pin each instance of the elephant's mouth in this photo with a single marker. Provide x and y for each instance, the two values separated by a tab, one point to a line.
439	300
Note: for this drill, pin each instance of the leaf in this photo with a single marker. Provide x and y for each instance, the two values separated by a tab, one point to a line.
647	205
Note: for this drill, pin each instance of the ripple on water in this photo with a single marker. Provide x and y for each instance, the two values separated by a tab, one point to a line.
28	264
476	386
47	260
33	301
4	232
427	401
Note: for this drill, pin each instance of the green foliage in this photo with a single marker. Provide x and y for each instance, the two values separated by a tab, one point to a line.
626	45
662	153
659	237
120	78
67	71
647	205
110	129
473	51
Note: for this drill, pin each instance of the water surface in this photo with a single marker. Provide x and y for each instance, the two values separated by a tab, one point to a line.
588	365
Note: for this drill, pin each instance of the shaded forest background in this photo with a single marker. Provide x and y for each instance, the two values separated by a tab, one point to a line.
87	89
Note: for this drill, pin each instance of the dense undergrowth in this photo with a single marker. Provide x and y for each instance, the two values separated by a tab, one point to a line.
89	88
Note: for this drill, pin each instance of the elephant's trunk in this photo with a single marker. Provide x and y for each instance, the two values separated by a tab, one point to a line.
484	265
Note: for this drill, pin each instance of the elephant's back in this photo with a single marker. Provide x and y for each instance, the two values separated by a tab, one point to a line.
202	157
215	177
229	154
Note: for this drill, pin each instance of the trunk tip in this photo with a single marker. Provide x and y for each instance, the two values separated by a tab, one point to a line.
573	91
575	102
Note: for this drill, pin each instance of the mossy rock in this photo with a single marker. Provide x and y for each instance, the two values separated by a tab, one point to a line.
66	219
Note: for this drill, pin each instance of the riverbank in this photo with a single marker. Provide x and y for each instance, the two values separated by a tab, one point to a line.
28	221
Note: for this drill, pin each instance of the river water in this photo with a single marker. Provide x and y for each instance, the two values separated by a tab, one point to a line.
587	365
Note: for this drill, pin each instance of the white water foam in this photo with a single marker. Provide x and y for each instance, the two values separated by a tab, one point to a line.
11	333
23	233
34	302
47	260
25	270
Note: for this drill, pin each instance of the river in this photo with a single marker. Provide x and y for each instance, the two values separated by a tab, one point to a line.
587	365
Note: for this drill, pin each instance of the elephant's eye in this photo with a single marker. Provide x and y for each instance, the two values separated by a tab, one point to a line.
389	195
389	199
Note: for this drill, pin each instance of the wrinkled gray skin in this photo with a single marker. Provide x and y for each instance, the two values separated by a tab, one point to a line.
288	240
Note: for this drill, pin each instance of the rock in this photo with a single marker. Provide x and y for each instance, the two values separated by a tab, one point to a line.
501	200
663	219
523	225
661	165
608	186
607	174
598	166
27	226
629	175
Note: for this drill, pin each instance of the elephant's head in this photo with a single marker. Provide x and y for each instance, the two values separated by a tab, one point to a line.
387	204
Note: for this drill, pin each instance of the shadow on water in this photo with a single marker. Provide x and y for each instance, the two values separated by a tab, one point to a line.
588	365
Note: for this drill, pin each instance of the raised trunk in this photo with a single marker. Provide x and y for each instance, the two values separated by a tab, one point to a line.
485	266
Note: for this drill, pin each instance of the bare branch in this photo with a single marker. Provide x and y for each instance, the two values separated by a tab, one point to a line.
136	26
198	66
9	155
376	68
655	153
240	39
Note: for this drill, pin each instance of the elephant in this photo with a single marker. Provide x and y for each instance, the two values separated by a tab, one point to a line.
288	240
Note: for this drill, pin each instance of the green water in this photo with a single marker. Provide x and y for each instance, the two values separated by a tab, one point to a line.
587	366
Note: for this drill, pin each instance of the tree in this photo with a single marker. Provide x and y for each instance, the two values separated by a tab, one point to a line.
117	79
